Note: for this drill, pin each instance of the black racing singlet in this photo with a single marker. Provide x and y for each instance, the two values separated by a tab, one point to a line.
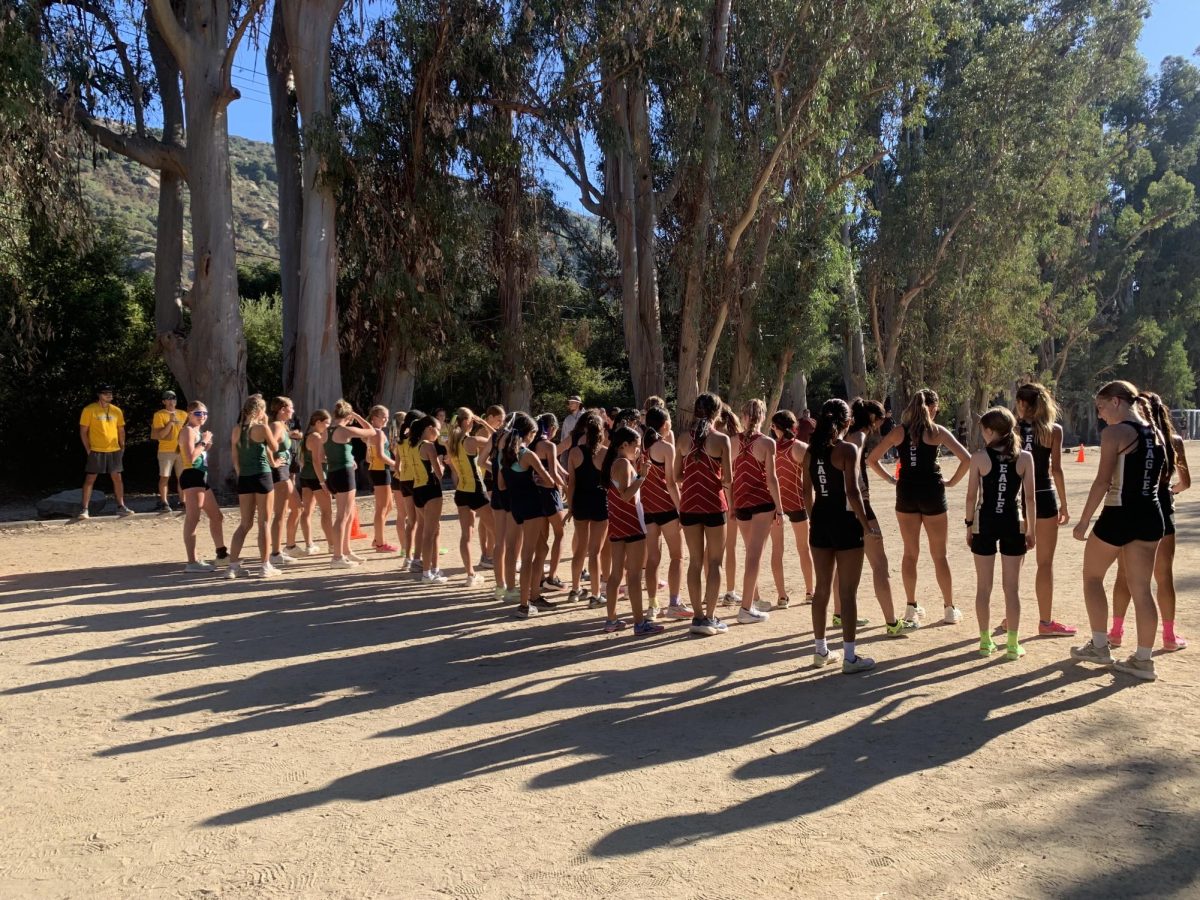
919	465
1136	481
828	482
999	510
1041	456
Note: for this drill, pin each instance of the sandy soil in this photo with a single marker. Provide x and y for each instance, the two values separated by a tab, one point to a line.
333	735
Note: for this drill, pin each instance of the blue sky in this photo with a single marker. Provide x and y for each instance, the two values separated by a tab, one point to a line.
1173	29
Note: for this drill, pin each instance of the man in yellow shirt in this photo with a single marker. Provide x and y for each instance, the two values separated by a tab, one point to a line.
165	428
102	431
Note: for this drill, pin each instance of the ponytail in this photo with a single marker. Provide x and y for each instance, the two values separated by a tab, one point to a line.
656	418
1003	424
864	413
918	416
458	433
832	422
785	421
756	412
706	410
618	439
1041	409
520	425
1161	417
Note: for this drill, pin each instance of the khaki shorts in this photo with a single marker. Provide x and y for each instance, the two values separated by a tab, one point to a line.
168	462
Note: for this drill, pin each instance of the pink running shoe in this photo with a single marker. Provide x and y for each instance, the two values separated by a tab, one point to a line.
1058	629
384	548
1180	643
1114	638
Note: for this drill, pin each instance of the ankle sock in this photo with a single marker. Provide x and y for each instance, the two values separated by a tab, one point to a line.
985	637
675	600
1118	624
848	651
1168	632
1012	640
1143	653
1099	640
822	647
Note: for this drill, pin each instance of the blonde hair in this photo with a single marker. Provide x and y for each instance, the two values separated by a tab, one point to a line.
459	433
341	409
1127	391
1042	410
378	410
276	404
756	412
918	416
251	408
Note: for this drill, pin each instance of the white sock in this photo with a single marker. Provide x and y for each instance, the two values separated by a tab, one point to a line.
675	600
848	651
1143	653
822	648
1099	639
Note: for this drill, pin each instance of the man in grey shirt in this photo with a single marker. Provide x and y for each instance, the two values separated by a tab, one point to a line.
575	410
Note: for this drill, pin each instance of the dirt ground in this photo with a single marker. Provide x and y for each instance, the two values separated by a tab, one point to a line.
347	735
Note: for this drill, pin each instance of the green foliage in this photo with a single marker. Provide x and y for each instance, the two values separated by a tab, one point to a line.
262	323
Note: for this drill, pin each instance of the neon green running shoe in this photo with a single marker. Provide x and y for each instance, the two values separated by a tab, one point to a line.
987	648
1014	653
837	621
901	627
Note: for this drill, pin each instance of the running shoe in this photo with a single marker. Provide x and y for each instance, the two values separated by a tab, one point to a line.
524	612
952	615
751	616
553	583
646	627
653	612
434	576
1115	637
84	514
859	623
585	576
309	550
1089	652
1014	653
414	565
162	507
912	613
678	611
731	598
500	592
1180	643
269	571
900	628
198	567
123	512
512	595
719	625
1057	629
858	664
1138	668
543	604
595	601
987	648
808	597
385	547
707	626
234	570
573	595
611	625
621	592
280	560
474	580
783	602
354	557
342	562
763	605
821	660
486	563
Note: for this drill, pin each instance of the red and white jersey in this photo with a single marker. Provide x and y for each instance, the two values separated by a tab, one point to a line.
655	496
750	476
788	472
625	517
701	490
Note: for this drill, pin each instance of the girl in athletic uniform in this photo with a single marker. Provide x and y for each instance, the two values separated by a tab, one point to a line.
339	478
552	504
703	471
1133	455
626	527
407	466
1164	560
921	493
866	418
660	505
427	494
468	437
587	500
1042	436
791	493
280	411
397	499
313	491
193	485
380	464
837	525
254	447
1001	510
520	465
503	525
756	504
728	424
493	420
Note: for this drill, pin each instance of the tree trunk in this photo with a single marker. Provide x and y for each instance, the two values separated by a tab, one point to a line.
398	379
318	373
168	234
285	133
646	345
747	340
797	393
856	355
781	371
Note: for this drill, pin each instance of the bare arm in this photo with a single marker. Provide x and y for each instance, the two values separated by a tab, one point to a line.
1029	489
810	494
772	476
973	492
950	442
1056	472
317	453
429	454
627	479
875	457
383	450
83	436
845	457
1181	467
233	449
121	437
726	462
668	462
1111	440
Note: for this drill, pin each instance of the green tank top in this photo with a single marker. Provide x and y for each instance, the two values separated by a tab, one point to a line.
307	470
285	448
252	455
338	455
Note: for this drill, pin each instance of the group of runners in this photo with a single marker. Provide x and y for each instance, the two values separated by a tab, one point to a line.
638	494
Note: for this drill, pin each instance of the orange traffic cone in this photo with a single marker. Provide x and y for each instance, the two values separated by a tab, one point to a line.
356	533
897	470
1079	455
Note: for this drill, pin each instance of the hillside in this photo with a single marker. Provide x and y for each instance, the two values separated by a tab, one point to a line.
124	192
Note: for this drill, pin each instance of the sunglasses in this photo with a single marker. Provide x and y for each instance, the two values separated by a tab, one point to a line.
200	414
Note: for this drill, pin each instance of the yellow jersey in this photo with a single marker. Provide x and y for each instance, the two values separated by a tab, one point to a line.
176	419
102	425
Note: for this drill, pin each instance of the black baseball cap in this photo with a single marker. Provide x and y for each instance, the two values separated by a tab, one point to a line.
168	395
104	389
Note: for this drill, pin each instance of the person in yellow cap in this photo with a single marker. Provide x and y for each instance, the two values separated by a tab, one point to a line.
102	431
165	428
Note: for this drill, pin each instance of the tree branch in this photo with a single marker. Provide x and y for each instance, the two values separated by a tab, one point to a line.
231	51
181	44
147	151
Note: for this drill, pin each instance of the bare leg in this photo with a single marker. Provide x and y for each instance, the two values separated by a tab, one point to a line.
910	534
216	519
119	488
246	507
881	579
754	537
431	527
89	482
936	528
800	530
556	528
614	578
714	552
1046	531
597	548
778	539
263	502
466	525
383	506
653	554
823	568
697	561
849	568
635	564
673	536
193	500
1139	569
579	552
1010	575
985	574
1098	558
